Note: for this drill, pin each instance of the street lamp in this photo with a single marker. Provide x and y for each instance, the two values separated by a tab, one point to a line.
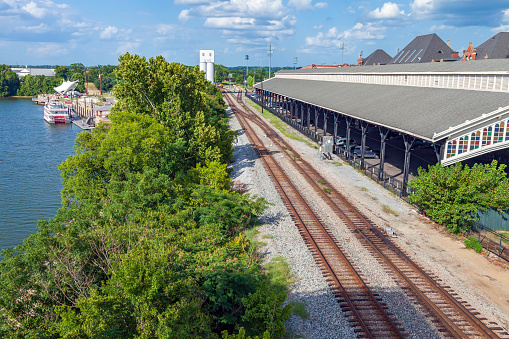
270	57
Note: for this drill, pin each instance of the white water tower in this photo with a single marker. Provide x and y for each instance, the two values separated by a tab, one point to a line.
207	63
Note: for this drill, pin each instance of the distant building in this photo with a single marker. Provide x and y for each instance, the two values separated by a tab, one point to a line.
425	48
314	66
207	63
496	47
378	57
21	72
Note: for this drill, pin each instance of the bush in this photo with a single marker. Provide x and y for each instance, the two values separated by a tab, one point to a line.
452	195
471	242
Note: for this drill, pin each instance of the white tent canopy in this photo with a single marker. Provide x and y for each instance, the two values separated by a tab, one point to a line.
66	86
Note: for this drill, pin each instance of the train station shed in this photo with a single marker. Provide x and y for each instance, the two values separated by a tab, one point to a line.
461	108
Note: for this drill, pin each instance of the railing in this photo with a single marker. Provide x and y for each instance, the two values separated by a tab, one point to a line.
490	240
372	171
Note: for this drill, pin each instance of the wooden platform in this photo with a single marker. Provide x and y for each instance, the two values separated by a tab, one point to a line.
83	125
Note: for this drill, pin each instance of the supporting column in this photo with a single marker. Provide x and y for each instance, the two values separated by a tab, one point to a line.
438	148
325	122
301	113
364	129
409	142
316	118
348	124
308	115
384	132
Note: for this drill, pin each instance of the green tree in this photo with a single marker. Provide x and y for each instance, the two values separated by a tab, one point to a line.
62	72
250	81
9	81
450	195
221	73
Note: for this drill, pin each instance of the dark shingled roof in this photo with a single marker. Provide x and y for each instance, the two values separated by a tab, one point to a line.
500	66
377	57
414	110
423	48
496	47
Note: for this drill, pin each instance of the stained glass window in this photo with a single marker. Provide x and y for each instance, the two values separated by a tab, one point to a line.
475	138
451	148
463	144
498	133
486	136
507	131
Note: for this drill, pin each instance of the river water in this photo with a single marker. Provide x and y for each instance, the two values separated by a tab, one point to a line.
30	151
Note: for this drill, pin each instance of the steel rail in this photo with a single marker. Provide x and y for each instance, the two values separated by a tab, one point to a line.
445	320
264	155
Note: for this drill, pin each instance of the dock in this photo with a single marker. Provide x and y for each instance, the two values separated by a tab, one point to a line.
84	124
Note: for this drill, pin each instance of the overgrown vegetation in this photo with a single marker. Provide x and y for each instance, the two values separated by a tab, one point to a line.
149	241
388	209
452	195
299	309
471	242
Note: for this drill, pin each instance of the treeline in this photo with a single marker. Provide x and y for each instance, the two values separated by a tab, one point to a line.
223	72
32	85
149	240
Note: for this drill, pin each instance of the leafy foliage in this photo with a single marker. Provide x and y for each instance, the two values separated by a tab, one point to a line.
147	243
450	195
9	82
471	242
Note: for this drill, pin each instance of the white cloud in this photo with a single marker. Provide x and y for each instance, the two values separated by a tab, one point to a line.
505	20
334	38
48	49
435	28
184	15
39	29
242	8
34	10
127	46
108	33
389	10
422	6
321	5
230	23
300	4
191	2
318	27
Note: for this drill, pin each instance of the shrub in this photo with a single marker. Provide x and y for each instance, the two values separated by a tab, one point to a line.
471	242
452	195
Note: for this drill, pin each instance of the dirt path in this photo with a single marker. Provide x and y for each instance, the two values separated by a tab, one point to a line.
480	280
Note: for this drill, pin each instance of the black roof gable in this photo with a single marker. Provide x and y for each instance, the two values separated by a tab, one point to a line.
496	47
377	57
424	48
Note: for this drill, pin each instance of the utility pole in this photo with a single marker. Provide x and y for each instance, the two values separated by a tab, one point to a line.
247	68
295	60
342	48
270	57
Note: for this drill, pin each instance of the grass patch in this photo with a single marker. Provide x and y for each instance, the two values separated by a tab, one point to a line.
279	272
320	181
326	190
471	242
505	234
364	189
337	163
299	308
286	148
387	209
280	125
267	236
295	157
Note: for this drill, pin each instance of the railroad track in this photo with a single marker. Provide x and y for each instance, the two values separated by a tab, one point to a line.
367	313
452	317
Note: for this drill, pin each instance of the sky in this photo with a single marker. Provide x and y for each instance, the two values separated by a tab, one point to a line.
299	32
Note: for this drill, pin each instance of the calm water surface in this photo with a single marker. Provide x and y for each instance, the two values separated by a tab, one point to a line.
30	151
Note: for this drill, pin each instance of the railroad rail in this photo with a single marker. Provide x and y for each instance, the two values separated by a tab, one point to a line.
454	318
370	317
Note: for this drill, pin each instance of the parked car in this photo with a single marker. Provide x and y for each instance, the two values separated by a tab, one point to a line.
356	151
341	142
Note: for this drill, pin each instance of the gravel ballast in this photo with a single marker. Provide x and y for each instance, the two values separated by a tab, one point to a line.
326	319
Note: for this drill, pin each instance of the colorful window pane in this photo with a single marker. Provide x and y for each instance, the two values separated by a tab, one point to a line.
463	144
486	136
475	138
507	130
498	133
451	149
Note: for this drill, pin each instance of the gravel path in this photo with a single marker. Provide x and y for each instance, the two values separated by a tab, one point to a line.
326	319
